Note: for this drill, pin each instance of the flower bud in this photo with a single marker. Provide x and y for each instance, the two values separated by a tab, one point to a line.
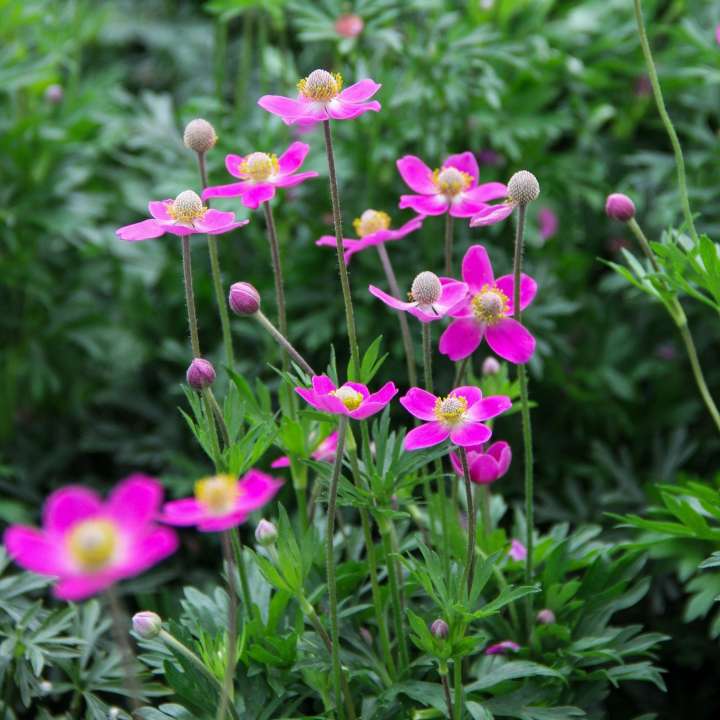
490	366
426	288
45	687
523	187
440	629
265	533
620	207
349	25
366	635
54	94
244	299
200	374
199	136
147	624
545	616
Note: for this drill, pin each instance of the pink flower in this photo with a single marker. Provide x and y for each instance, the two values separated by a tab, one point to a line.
260	173
517	551
222	501
431	297
522	188
373	228
548	223
321	97
349	25
89	544
458	416
351	399
451	188
502	648
486	466
185	215
487	313
324	452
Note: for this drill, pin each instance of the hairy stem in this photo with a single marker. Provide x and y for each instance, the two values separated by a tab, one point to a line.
277	272
427	356
227	687
190	296
458	686
242	571
396	602
469	573
119	625
283	342
446	691
448	243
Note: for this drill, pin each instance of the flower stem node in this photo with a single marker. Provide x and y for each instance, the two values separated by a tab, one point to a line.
200	374
244	299
147	624
426	288
619	207
199	136
440	629
265	533
523	187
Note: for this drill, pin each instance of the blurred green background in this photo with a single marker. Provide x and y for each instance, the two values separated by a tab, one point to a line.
94	97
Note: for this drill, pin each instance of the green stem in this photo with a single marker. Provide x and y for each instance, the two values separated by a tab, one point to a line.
667	122
330	562
227	687
461	369
119	625
448	243
427	356
190	296
469	572
402	317
242	571
385	533
485	510
277	272
457	682
446	691
283	342
344	281
219	417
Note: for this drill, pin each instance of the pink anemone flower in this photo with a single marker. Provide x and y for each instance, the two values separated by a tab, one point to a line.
486	466
185	215
261	173
502	648
451	188
324	452
321	97
88	544
548	223
351	399
222	501
459	416
431	297
373	228
487	312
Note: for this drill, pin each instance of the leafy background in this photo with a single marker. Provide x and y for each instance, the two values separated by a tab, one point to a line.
93	330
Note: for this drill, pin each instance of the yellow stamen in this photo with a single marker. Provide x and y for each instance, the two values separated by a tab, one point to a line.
259	166
186	207
320	85
371	221
349	397
490	305
450	410
217	493
92	544
451	181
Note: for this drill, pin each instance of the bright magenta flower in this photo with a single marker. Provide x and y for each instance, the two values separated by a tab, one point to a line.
89	544
459	416
502	648
260	173
324	452
486	466
185	215
351	399
487	313
451	188
373	228
222	501
321	97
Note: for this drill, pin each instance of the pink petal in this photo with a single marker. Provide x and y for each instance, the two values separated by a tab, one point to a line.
417	175
293	158
322	384
310	397
68	506
510	340
484	469
425	436
225	522
425	204
215	222
34	550
453	293
376	402
293	180
148	549
471	393
477	269
419	403
158	209
78	588
410	226
528	290
384	395
231	190
135	500
503	455
461	338
281	462
339	110
488	191
456	464
358	387
470	434
257	194
489	407
465	162
360	91
179	230
390	300
233	163
187	511
492	214
464	206
143	230
256	489
284	107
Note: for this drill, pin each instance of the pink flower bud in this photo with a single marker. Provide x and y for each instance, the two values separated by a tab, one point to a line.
244	299
54	94
490	366
200	374
349	25
440	629
147	624
265	533
545	616
620	207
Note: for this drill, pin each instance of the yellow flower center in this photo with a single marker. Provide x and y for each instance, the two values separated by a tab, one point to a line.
452	181
217	493
186	207
320	85
259	166
450	410
349	397
371	221
92	544
490	305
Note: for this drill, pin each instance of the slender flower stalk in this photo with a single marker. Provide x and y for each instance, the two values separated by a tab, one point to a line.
283	342
337	221
427	356
485	509
242	572
227	687
277	271
457	682
190	296
469	572
667	122
119	623
446	691
448	244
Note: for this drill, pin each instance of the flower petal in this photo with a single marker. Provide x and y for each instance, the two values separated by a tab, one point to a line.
135	500
281	462
417	175
453	293
360	91
492	214
84	586
143	230
470	434
477	269
419	403
233	163
34	550
159	209
464	162
390	300
322	384
293	180
256	489
488	191
257	194
425	204
461	338
68	506
231	190
337	109
187	511
484	469
148	549
489	407
293	157
284	107
511	340
224	522
471	393
215	222
310	397
502	453
528	290
425	436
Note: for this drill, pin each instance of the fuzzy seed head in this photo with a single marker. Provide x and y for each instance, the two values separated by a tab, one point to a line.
200	374
244	299
199	136
320	85
186	207
147	624
523	187
426	288
619	207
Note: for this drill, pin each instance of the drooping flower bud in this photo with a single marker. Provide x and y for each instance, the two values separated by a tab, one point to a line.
265	533
426	288
440	629
244	299
349	25
619	207
147	624
54	94
45	687
199	135
545	616
200	374
490	366
523	187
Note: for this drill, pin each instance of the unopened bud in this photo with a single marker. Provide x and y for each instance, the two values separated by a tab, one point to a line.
349	25
366	635
45	687
619	207
54	94
490	366
199	136
200	374
244	299
545	616
266	533
523	187
147	624
440	629
426	288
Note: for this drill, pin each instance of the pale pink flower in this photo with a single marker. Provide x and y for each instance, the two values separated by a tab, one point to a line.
517	551
486	466
351	399
502	648
324	452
